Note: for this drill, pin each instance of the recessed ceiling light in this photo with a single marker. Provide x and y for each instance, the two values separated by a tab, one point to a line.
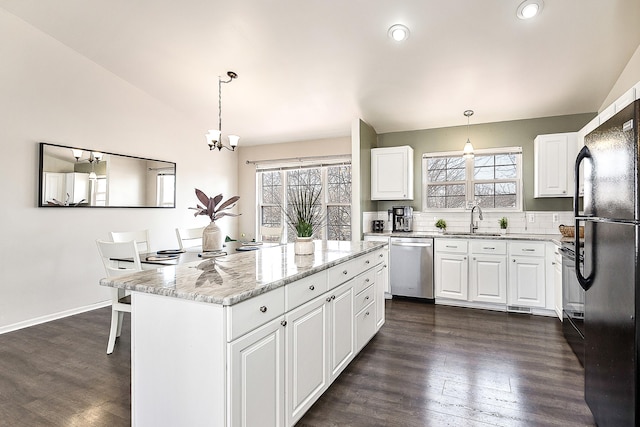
398	32
529	8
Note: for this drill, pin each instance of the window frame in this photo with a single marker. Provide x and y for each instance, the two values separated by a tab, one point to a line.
470	182
282	169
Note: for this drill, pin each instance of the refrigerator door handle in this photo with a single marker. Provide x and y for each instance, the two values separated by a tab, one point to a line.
583	154
585	282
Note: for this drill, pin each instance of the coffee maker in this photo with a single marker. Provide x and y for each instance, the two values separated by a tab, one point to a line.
402	218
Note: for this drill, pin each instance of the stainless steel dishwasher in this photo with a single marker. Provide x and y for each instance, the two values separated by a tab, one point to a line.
411	267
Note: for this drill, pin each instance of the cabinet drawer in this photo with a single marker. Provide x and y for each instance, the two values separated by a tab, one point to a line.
341	273
497	247
248	315
526	248
363	281
303	290
364	298
365	325
451	245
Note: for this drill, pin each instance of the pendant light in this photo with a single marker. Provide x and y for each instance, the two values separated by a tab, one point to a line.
214	136
467	153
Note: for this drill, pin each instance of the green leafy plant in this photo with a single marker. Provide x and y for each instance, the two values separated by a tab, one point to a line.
304	210
504	222
210	206
441	224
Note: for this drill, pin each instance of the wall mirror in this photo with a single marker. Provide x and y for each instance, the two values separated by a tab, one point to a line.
81	177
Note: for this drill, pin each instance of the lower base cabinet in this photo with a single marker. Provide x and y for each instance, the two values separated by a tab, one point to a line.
257	364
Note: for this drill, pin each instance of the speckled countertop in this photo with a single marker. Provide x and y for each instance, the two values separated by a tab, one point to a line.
234	278
555	238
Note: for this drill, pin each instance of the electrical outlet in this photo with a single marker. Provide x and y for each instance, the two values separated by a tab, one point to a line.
555	218
532	217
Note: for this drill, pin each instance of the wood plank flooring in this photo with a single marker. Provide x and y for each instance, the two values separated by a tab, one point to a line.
428	366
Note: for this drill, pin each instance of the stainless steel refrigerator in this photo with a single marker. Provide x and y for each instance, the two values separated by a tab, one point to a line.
610	273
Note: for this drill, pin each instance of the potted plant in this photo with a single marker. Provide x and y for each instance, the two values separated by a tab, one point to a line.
504	223
441	224
304	214
211	235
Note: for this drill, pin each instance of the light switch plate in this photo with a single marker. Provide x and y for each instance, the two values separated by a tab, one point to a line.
555	218
532	217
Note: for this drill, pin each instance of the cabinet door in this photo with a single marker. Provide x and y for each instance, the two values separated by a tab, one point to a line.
256	363
341	334
526	282
307	356
488	281
557	282
451	276
392	173
551	164
382	277
54	187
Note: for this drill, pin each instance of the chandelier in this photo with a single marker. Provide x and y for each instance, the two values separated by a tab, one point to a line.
214	136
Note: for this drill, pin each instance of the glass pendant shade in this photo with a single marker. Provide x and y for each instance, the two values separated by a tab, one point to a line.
93	175
213	136
233	140
76	153
467	153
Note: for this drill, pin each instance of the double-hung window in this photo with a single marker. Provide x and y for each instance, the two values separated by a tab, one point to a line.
334	182
492	179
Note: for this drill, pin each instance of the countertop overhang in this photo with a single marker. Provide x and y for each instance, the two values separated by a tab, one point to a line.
234	278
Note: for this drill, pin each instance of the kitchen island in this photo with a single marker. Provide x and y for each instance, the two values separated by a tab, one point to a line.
252	338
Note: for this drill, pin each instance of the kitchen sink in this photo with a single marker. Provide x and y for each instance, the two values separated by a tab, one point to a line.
468	234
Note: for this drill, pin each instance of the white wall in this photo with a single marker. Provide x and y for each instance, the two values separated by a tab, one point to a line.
48	258
629	77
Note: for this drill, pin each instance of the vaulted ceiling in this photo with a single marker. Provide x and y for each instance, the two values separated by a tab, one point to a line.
308	68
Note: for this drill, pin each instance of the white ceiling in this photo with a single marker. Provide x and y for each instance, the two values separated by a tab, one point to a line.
308	68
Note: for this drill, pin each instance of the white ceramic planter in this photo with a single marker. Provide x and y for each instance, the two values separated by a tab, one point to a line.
303	246
211	238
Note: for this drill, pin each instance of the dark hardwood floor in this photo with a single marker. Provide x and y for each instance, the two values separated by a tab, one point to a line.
428	366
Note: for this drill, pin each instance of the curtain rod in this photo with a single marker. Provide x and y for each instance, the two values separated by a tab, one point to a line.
299	159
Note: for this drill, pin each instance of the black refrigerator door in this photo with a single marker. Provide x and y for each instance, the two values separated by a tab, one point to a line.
612	171
610	354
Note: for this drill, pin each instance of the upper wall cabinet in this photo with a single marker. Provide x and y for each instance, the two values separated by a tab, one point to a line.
392	173
554	156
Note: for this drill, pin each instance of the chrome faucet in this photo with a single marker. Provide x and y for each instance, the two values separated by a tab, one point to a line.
473	227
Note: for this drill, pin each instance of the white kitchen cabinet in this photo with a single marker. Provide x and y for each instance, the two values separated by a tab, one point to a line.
341	329
488	278
557	281
451	276
307	356
392	173
527	280
381	286
257	366
488	271
554	157
77	185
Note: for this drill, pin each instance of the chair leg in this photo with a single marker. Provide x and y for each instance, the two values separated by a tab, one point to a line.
115	315
120	322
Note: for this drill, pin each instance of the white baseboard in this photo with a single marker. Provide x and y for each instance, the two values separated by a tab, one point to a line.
54	316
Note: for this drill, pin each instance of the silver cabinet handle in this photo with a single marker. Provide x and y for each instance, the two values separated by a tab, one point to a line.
514	260
328	299
344	272
419	245
333	297
464	258
381	255
487	247
474	258
366	262
263	309
283	323
451	246
366	280
366	298
528	250
367	313
312	287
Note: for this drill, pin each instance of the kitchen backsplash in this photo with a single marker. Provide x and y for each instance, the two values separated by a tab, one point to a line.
519	222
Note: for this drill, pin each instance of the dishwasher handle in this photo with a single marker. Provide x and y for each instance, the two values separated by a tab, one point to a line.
419	245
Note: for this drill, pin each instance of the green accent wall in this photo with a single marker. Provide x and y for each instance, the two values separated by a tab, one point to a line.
500	134
368	140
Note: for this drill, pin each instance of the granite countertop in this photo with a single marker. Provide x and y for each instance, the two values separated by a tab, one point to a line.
230	279
481	235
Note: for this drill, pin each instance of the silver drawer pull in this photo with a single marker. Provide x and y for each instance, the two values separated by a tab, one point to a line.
528	250
333	297
381	255
328	299
344	272
263	309
366	298
367	313
312	287
283	323
366	280
450	246
366	262
487	247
